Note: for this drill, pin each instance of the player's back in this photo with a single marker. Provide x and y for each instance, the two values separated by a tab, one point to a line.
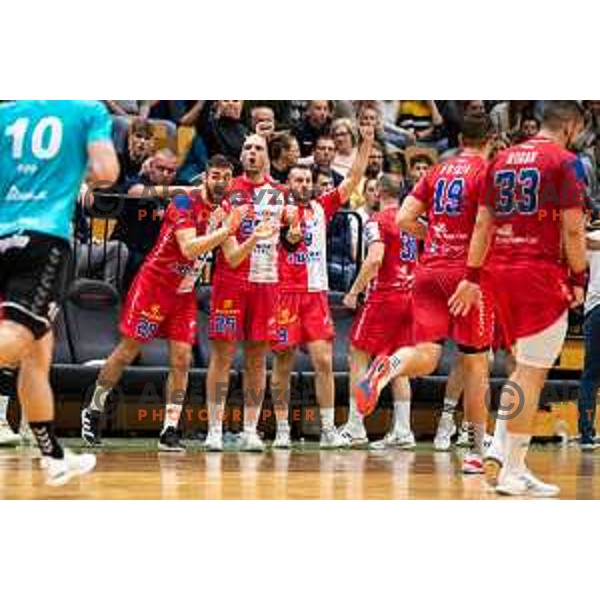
526	188
399	259
451	192
43	159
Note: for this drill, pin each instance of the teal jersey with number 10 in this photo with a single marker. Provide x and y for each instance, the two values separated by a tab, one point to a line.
43	160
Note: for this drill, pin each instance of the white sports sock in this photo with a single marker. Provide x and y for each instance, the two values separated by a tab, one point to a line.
517	445
402	416
449	406
251	416
99	397
476	435
499	439
172	414
327	418
3	407
215	417
281	415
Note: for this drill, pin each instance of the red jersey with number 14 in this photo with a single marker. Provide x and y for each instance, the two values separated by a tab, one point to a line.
451	192
399	259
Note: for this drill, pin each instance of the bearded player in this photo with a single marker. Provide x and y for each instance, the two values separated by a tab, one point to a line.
303	314
384	322
449	195
533	212
162	300
245	297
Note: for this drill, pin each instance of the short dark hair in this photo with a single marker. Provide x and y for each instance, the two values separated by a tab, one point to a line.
556	112
324	136
420	157
218	161
476	128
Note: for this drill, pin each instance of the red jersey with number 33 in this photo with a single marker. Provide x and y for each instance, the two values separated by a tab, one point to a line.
527	186
451	192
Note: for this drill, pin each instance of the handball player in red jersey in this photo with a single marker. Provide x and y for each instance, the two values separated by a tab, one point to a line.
449	195
384	322
532	221
303	316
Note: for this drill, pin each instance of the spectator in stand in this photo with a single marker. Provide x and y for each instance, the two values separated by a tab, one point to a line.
141	145
375	169
322	158
507	117
263	121
423	119
589	154
530	127
323	180
316	121
129	108
223	131
343	135
194	163
418	166
140	219
283	154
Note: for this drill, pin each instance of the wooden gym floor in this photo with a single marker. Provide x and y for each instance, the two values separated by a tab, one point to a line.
132	469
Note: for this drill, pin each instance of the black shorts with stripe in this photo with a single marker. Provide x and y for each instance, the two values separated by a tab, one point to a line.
33	272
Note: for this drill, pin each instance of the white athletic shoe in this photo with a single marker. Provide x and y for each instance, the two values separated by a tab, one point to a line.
462	441
214	441
354	433
492	464
282	439
251	442
60	471
445	430
472	465
524	484
332	438
27	437
7	436
403	440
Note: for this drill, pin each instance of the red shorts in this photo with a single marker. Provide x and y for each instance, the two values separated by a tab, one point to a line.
153	309
302	317
243	311
529	297
384	323
433	321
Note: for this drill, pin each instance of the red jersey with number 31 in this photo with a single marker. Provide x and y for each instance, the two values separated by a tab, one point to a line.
400	255
451	192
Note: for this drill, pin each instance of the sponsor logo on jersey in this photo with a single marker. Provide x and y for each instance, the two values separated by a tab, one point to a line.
153	313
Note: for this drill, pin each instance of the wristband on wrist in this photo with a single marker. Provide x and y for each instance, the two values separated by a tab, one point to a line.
473	275
578	279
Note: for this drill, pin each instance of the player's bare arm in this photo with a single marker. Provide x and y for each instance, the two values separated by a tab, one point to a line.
103	163
468	292
359	166
368	270
408	218
574	243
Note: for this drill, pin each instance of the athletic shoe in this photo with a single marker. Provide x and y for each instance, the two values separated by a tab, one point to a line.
282	439
170	441
462	441
472	465
251	442
524	484
60	470
368	387
404	440
445	430
27	437
7	436
90	426
355	434
214	441
332	438
589	445
492	464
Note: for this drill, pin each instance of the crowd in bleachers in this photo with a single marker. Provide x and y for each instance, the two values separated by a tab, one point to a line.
168	142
